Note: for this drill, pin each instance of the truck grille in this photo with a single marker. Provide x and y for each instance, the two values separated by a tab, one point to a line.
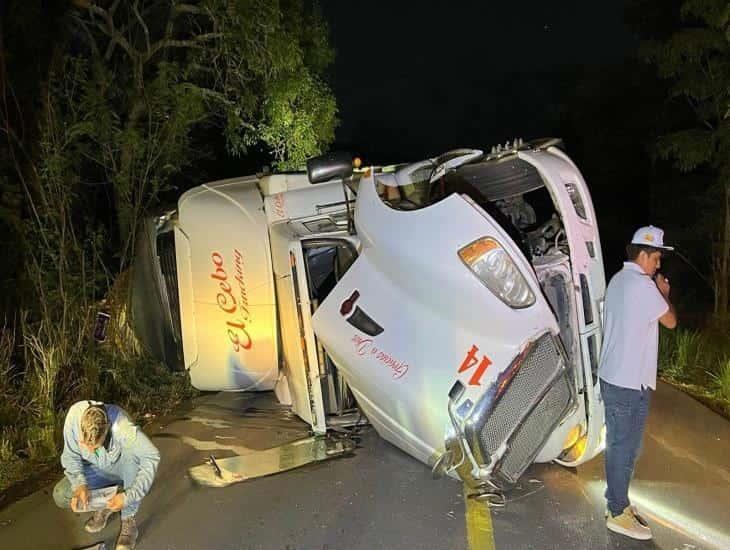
531	436
516	418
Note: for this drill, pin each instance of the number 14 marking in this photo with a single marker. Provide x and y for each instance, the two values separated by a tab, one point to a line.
470	361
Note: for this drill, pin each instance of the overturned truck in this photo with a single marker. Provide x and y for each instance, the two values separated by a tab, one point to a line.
456	302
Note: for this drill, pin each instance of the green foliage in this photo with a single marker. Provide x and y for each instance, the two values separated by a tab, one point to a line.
9	383
681	354
691	148
695	60
714	14
722	379
699	361
253	69
118	111
268	73
140	384
33	408
667	343
11	466
299	120
7	449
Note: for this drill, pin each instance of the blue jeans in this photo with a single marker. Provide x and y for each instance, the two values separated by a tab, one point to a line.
122	473
626	412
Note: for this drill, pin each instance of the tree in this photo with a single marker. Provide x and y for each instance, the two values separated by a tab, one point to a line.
695	59
155	71
26	46
120	106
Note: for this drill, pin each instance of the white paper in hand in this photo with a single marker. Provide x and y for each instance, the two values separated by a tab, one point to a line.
98	498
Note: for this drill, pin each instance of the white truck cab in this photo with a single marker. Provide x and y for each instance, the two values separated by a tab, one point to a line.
455	302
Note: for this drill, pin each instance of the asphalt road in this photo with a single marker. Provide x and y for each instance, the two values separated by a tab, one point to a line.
382	498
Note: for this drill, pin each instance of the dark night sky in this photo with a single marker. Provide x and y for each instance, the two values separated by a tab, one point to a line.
414	81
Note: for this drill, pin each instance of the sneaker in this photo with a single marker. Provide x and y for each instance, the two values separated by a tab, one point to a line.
627	524
128	535
97	521
635	511
638	516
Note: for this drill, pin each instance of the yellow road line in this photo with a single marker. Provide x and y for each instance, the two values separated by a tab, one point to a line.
479	531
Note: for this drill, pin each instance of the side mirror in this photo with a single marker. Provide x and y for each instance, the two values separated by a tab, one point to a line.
329	166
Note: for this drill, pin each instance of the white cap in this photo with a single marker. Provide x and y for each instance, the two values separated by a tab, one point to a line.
650	236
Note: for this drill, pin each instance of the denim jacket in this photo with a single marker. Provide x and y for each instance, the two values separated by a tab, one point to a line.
127	442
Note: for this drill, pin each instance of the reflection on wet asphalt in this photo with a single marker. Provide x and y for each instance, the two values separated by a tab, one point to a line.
684	495
382	498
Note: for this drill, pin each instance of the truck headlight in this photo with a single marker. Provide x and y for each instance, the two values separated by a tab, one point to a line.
489	261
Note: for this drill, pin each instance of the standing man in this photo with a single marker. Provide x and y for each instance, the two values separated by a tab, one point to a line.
637	299
102	447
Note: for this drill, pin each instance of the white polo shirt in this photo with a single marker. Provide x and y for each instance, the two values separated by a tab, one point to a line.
631	329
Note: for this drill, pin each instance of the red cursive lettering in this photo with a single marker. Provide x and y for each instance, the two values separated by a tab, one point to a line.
365	347
279	205
237	331
243	301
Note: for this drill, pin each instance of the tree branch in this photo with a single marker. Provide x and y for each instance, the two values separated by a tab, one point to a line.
121	31
92	40
144	26
111	31
113	8
196	42
188	8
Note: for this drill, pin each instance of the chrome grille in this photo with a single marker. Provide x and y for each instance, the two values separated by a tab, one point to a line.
530	437
537	371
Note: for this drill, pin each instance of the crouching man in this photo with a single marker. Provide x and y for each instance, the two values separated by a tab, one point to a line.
102	447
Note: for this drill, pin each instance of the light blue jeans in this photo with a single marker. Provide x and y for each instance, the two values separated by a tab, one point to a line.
122	473
626	412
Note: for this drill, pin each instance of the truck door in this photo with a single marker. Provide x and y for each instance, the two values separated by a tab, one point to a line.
305	384
570	192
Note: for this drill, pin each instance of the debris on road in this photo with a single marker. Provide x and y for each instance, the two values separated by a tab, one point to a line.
221	472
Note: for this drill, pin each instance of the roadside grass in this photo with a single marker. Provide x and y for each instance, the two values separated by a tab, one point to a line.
34	401
698	362
722	379
10	462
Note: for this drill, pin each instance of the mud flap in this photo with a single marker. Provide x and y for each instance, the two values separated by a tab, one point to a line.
222	472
